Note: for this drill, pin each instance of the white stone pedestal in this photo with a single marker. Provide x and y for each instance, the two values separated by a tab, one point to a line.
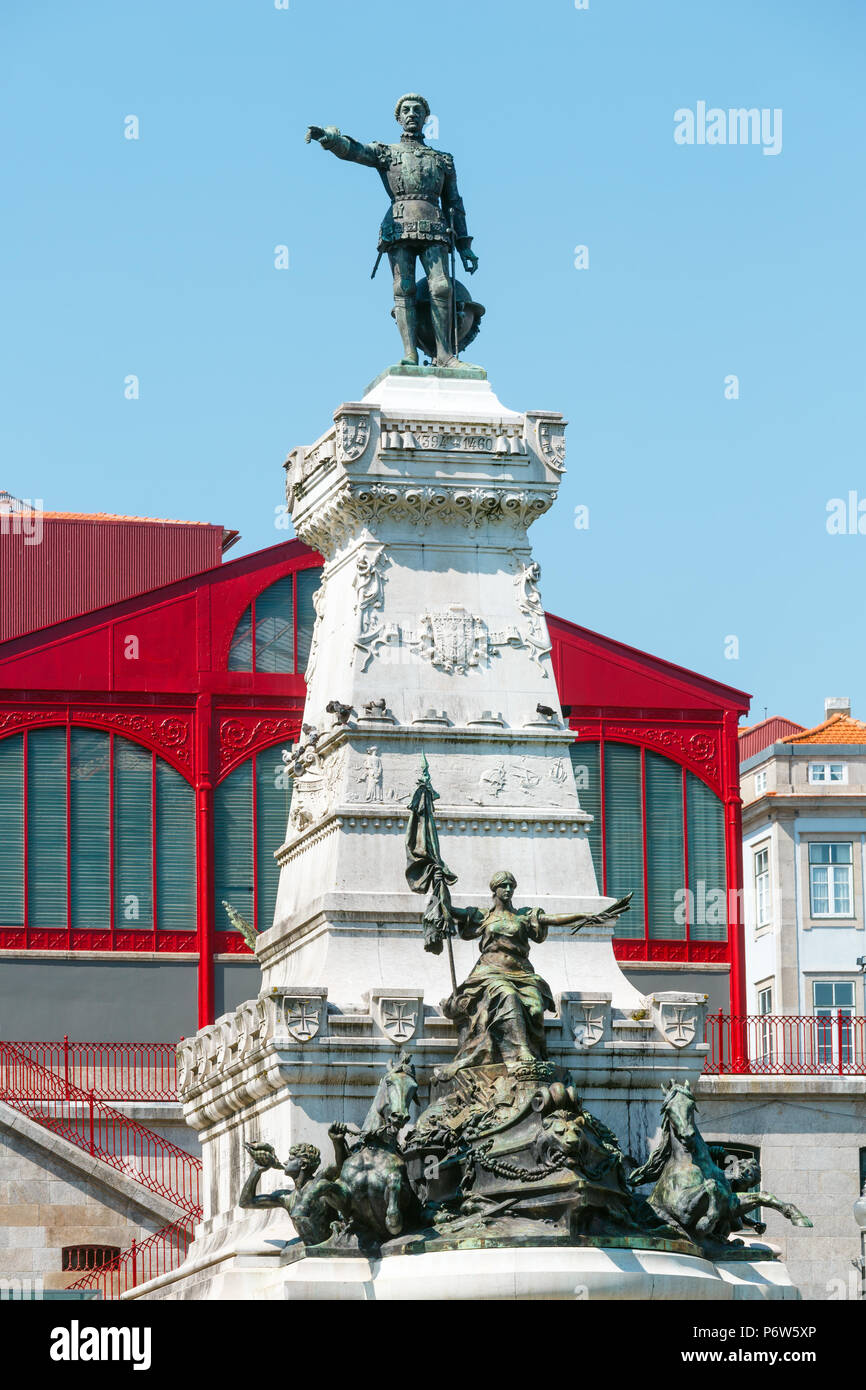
573	1274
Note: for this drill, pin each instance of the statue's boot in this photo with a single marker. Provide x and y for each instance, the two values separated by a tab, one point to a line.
405	314
443	329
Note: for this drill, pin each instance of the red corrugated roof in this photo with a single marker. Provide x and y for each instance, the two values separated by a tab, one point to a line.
769	731
58	565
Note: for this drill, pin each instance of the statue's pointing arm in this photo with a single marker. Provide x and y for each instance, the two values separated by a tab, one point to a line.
344	147
452	204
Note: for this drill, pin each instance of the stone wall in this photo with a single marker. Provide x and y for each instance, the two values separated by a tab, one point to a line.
810	1132
53	1195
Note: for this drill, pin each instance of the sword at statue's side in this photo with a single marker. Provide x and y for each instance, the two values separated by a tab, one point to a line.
425	870
453	280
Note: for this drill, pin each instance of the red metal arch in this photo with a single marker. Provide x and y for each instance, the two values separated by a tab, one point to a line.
698	749
248	595
169	736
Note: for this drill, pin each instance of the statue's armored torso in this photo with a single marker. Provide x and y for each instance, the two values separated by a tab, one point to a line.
421	183
415	177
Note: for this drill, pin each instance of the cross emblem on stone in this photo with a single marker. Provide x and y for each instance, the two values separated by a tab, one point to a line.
303	1021
681	1029
398	1019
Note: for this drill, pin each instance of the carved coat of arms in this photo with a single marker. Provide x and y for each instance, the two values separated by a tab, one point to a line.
353	436
551	442
454	640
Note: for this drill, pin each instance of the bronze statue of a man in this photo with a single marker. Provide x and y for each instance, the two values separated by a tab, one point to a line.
426	210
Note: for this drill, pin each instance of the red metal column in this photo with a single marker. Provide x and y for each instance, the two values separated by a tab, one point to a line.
734	868
204	857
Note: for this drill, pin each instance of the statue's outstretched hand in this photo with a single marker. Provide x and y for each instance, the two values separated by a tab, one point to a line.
608	914
314	132
470	261
263	1155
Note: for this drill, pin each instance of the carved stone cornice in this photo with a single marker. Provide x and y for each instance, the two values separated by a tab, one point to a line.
354	505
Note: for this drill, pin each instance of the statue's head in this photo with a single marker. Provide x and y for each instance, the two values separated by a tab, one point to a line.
502	885
303	1159
412	111
746	1174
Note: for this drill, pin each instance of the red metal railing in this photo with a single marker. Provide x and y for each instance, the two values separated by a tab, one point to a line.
786	1044
85	1120
112	1071
144	1260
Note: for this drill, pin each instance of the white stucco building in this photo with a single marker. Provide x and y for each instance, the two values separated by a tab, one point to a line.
804	847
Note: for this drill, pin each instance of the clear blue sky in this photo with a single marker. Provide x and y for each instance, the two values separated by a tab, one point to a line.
155	257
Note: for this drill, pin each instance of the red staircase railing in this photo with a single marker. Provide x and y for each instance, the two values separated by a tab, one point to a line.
786	1045
144	1260
85	1120
112	1071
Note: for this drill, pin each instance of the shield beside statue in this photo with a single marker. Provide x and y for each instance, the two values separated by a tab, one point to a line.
469	315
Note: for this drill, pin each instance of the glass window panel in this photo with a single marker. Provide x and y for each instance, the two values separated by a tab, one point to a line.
308	583
707	872
273	802
275	640
90	834
665	849
175	850
819	854
233	844
46	827
585	762
623	833
12	831
823	994
133	836
841	890
241	649
819	890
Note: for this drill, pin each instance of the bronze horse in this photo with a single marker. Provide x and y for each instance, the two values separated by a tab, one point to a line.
691	1191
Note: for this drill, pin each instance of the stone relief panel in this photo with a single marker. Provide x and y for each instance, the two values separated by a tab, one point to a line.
536	637
525	780
316	782
368	584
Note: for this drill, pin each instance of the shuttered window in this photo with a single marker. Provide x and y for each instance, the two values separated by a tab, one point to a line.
175	850
46	828
133	835
12	831
308	582
247	834
97	808
90	828
275	626
273	801
623	832
707	871
665	848
275	632
634	785
233	843
241	650
585	762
